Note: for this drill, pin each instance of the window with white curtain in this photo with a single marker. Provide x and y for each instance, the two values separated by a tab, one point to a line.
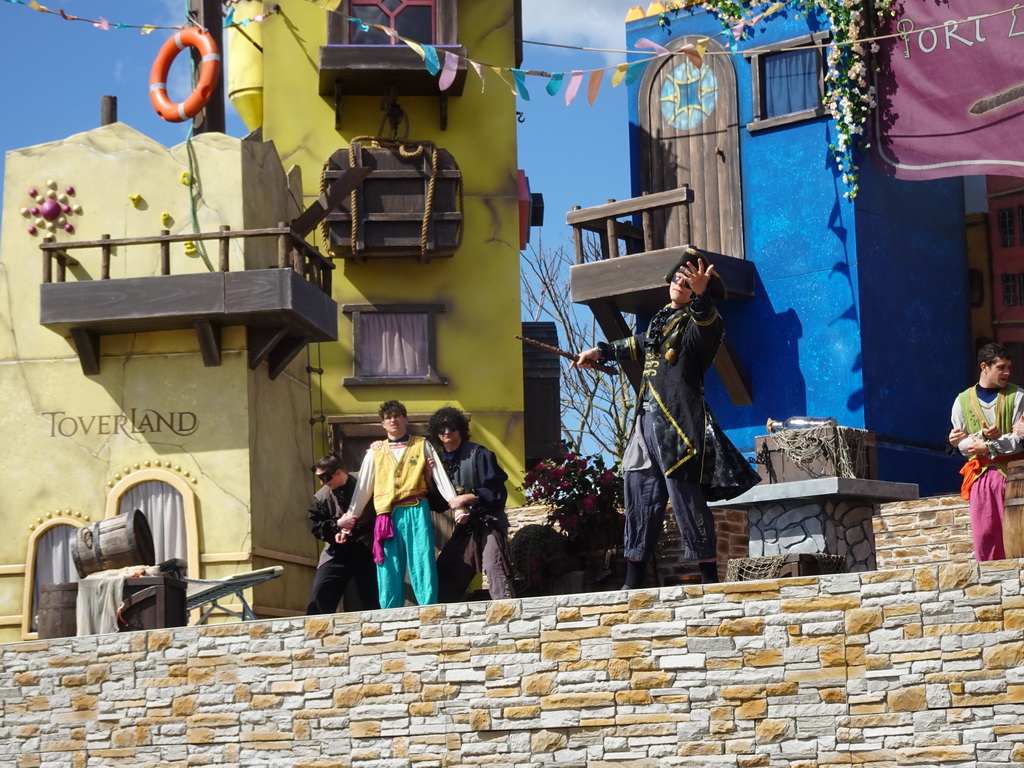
788	81
53	562
393	344
164	509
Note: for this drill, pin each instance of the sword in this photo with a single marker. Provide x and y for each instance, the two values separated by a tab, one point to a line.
562	353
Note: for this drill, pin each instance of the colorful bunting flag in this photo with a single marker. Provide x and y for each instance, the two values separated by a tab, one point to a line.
554	84
448	71
594	84
520	79
479	69
574	85
429	54
644	44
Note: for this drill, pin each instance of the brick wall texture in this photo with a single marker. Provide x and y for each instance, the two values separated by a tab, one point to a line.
936	529
918	666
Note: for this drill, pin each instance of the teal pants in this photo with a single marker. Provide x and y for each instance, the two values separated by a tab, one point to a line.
412	546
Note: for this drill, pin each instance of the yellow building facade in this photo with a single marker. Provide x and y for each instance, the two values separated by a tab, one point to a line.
119	378
476	291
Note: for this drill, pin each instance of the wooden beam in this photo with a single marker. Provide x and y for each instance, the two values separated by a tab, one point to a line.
284	352
212	117
595	215
209	342
87	344
614	326
308	220
733	374
261	342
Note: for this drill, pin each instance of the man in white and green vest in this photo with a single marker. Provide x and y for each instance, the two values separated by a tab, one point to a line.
983	432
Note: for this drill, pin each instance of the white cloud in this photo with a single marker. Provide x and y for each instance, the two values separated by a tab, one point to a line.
589	23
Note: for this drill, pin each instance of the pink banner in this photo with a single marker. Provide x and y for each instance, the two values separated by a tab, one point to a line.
951	89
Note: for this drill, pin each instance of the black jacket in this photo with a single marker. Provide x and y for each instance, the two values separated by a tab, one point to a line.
677	349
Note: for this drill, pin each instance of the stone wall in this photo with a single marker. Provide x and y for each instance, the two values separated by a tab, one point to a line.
936	529
921	666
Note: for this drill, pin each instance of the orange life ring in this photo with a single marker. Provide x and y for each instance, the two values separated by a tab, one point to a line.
209	70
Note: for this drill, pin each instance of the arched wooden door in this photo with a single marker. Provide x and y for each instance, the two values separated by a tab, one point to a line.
690	136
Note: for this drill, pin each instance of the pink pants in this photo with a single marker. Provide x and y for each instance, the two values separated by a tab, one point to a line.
987	496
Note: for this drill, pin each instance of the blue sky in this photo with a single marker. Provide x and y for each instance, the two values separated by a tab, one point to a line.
54	72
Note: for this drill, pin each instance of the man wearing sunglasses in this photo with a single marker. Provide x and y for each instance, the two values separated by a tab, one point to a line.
339	562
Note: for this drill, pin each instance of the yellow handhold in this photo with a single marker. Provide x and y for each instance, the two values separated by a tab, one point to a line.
190	248
136	199
166	219
186	178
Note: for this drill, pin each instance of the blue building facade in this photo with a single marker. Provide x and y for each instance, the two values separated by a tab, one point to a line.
860	310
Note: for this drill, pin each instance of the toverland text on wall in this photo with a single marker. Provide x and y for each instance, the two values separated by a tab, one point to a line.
133	422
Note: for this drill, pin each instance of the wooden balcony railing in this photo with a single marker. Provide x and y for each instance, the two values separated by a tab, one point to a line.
292	251
604	220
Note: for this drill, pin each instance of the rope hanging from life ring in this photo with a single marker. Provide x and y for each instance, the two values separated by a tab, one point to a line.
209	71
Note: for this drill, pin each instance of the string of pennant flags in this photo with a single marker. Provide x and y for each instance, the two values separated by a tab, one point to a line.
445	64
106	25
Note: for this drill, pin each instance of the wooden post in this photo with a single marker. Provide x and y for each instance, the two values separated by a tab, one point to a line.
108	110
47	267
62	265
686	220
225	243
165	252
211	118
611	236
577	240
283	246
645	217
1013	511
105	263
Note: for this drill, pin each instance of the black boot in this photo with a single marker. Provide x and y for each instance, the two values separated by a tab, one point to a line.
708	572
635	573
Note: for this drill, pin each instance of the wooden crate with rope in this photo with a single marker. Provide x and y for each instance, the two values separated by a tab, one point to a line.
410	206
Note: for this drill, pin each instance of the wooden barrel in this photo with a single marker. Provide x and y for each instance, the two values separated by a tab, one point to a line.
55	614
1013	511
116	542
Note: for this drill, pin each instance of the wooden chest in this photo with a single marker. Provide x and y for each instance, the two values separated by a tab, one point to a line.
411	205
806	454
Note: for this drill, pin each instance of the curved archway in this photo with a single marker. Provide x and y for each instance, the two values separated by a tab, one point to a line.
188	507
30	593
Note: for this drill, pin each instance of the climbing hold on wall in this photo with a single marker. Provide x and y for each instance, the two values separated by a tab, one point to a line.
49	210
136	199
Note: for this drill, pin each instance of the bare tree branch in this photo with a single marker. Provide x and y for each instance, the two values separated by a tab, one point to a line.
596	409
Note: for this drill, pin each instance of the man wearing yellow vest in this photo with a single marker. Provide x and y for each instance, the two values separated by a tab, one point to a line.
396	474
983	432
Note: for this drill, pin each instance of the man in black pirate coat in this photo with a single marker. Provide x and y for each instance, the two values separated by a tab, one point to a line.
677	451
